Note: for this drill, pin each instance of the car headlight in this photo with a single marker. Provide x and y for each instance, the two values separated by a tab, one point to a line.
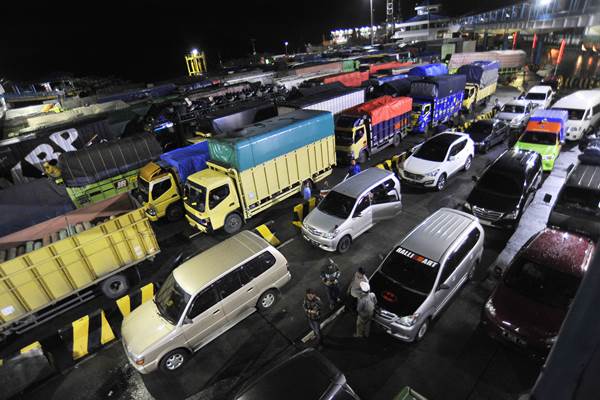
409	320
467	206
432	173
548	157
331	235
151	211
489	307
512	215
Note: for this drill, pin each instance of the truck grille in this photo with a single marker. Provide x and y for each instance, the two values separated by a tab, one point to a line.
415	177
486	214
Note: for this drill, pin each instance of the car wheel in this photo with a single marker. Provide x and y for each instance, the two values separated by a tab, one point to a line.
363	157
468	162
115	286
233	223
174	360
396	140
267	300
344	244
422	330
441	183
174	212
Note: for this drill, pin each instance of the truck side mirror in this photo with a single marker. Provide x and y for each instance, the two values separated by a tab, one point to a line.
547	198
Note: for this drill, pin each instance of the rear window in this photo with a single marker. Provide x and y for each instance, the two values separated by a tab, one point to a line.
580	200
411	270
535	96
513	109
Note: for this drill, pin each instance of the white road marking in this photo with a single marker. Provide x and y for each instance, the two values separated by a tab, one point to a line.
310	335
290	240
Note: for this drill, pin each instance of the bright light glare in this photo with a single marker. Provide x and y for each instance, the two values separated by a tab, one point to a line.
194	51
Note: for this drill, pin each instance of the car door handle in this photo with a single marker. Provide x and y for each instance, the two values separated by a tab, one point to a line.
249	290
216	312
231	204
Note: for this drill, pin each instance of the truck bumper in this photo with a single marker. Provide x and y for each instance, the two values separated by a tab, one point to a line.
195	224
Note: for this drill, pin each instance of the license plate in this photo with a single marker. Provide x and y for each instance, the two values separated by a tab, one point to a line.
512	338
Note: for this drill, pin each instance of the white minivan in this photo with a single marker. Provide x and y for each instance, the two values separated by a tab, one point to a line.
541	95
583	107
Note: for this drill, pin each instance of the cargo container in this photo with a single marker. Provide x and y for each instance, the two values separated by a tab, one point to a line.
258	167
51	267
481	82
435	101
372	126
107	169
429	70
335	100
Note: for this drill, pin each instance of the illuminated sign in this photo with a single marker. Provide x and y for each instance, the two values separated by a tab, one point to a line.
416	257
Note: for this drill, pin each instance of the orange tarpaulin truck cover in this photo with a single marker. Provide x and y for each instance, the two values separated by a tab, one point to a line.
384	108
349	79
544	126
388	65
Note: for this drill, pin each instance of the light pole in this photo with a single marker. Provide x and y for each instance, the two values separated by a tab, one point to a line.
371	9
286	45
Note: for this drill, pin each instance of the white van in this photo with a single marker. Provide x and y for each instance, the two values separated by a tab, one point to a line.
584	112
541	95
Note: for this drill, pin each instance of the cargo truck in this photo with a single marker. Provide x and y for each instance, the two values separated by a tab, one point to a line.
429	70
371	127
258	167
56	265
335	100
97	173
481	82
435	101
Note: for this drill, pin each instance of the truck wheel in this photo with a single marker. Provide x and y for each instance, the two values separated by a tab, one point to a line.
363	157
174	212
115	286
233	223
396	140
174	360
344	244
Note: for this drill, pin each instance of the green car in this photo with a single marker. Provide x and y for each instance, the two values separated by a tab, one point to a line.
545	143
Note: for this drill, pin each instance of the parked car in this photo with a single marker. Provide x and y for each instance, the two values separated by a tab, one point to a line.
541	95
487	133
424	271
201	299
583	107
516	113
351	208
506	188
546	143
577	207
528	306
437	159
306	375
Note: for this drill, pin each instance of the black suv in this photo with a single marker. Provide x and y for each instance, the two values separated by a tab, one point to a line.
577	207
506	188
488	133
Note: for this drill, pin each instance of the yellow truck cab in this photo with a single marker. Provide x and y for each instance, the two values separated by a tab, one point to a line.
160	182
262	165
482	79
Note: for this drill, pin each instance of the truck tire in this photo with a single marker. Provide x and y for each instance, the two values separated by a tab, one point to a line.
115	286
396	140
363	157
233	223
175	212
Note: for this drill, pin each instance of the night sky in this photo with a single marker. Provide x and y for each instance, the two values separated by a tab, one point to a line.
146	40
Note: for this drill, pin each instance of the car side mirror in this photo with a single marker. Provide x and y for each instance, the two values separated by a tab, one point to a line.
474	178
357	215
451	158
187	321
443	286
588	118
547	198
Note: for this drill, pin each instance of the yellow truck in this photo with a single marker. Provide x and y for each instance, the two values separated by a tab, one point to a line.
258	167
56	265
482	79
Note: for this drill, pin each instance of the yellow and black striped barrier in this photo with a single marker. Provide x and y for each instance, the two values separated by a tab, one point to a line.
264	232
91	332
26	349
301	211
393	164
581	83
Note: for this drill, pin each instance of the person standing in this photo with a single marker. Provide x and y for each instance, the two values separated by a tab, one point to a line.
365	308
354	168
354	288
496	107
306	191
312	309
330	276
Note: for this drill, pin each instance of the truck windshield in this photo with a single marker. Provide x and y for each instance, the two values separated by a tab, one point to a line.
196	196
411	270
431	152
513	109
542	284
343	138
580	200
171	300
345	122
337	204
535	96
416	107
574	113
539	138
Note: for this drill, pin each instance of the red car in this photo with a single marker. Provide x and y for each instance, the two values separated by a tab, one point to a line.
527	308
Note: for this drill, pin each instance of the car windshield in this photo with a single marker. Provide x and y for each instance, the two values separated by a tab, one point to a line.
535	96
574	113
542	284
544	138
195	195
513	109
480	128
581	200
337	204
410	270
501	184
431	152
171	300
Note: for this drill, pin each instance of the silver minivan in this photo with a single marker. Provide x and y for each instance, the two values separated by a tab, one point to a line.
351	208
424	271
201	299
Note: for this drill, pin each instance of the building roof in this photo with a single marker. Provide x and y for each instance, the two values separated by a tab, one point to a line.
426	17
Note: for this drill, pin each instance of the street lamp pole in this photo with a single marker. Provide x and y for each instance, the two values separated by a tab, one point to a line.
286	45
371	9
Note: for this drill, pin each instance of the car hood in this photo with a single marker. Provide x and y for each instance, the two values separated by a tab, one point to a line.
543	149
492	201
321	221
395	298
525	316
509	116
143	328
479	137
419	166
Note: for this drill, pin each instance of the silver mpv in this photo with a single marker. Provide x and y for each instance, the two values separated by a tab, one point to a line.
424	271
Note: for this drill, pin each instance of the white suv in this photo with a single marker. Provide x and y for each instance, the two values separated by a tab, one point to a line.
541	95
434	161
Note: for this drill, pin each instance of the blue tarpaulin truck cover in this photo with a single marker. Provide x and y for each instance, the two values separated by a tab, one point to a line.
187	160
437	87
263	141
482	73
429	70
